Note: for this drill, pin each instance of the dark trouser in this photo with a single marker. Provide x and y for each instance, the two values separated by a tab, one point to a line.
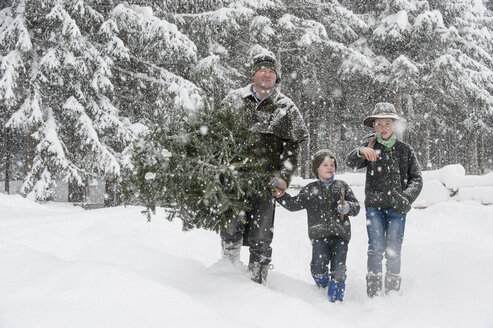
331	250
257	232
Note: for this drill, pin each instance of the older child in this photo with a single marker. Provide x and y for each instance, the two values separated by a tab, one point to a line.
328	203
393	182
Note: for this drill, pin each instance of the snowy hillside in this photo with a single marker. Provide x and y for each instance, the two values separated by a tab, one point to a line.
62	266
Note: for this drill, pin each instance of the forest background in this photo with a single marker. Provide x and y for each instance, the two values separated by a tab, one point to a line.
80	79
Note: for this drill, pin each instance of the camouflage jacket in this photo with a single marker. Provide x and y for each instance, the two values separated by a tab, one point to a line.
279	124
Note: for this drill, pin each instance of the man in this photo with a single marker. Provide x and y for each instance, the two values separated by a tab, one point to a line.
280	129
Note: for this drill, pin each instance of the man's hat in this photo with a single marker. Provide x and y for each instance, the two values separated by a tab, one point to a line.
268	60
382	110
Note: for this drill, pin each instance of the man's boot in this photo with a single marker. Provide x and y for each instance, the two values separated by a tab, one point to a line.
373	284
392	283
258	272
231	251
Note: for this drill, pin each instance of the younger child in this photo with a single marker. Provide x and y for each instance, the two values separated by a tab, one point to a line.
328	203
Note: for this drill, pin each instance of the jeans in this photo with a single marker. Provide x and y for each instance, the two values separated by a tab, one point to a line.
331	250
258	231
385	229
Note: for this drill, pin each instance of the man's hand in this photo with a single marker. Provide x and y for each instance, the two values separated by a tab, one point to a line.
369	153
279	187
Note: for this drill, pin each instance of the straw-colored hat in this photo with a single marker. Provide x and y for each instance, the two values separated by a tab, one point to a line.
382	110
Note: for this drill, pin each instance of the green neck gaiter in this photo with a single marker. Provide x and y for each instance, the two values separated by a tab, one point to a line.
387	143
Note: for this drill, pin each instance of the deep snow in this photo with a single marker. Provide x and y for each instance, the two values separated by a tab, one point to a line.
61	266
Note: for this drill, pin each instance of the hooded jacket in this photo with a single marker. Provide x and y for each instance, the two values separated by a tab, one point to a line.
320	202
394	180
279	125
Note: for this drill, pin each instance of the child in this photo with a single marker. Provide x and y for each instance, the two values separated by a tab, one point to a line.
393	182
328	203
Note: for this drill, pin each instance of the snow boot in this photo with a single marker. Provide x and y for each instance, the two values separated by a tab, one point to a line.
258	272
392	283
341	288
335	292
332	291
373	284
231	251
322	280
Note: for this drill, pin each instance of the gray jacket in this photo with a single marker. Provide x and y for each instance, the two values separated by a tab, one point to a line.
279	124
320	202
393	180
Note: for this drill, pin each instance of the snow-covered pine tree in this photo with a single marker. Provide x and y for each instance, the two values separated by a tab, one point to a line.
205	173
221	31
153	82
416	57
65	82
15	45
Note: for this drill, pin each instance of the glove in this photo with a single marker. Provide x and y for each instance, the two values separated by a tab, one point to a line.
343	209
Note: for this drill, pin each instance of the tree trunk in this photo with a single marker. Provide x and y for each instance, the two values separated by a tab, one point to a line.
481	156
77	192
473	154
398	109
8	157
426	154
29	149
113	193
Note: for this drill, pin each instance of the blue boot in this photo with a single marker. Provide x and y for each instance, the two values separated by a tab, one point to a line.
341	288
336	291
322	280
332	291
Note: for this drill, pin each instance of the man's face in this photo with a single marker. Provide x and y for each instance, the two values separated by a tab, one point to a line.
264	79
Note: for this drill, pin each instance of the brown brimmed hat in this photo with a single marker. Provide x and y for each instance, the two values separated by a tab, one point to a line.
382	110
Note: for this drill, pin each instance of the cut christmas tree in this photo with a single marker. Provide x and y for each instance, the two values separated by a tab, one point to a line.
204	173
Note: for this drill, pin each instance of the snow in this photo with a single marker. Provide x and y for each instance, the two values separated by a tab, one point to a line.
66	267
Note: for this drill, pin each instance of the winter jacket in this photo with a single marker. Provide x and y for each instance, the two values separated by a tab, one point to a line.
279	124
320	202
393	180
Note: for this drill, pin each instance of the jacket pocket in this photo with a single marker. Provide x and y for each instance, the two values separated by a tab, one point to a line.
400	202
378	199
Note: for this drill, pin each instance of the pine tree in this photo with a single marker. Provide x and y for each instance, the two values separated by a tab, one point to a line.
205	174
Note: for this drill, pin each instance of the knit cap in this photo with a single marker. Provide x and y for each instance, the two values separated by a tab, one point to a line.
268	60
319	157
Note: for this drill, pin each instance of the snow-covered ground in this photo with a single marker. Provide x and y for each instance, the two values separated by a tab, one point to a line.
62	266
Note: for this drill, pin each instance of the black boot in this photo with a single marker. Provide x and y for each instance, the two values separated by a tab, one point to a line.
373	284
392	283
231	251
258	272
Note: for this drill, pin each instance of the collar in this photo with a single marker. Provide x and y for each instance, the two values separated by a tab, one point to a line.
327	183
387	143
257	96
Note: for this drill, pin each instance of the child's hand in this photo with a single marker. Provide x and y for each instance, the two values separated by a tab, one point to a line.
279	187
369	153
343	209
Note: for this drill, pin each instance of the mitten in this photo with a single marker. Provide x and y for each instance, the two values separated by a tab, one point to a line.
343	209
